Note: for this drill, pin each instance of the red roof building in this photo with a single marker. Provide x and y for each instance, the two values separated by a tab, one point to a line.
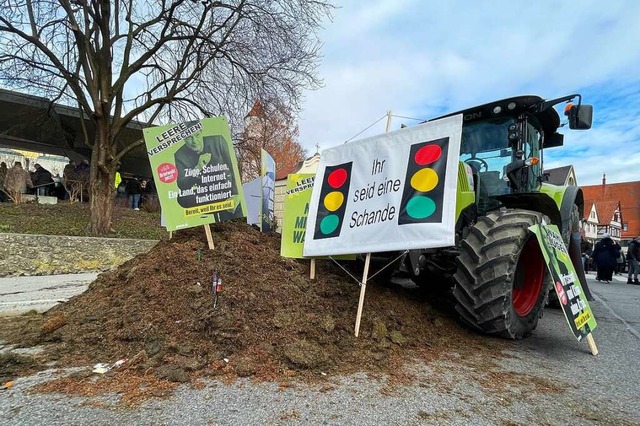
608	196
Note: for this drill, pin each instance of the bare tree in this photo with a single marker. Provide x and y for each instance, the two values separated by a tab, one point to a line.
269	126
156	62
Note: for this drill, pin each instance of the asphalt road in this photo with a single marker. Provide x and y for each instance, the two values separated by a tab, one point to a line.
591	390
40	293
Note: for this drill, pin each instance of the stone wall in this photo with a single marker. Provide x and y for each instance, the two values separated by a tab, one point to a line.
22	254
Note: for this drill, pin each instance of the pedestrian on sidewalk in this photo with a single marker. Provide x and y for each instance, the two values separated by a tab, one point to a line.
633	256
605	256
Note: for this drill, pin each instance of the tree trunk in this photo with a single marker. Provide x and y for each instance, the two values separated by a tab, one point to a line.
102	197
102	181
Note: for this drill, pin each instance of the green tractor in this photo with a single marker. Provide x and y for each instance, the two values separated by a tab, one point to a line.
496	270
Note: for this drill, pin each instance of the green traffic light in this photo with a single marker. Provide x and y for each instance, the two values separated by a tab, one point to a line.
420	207
329	224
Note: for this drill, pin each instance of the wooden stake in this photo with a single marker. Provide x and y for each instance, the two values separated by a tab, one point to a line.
389	114
592	344
312	274
207	230
362	290
170	234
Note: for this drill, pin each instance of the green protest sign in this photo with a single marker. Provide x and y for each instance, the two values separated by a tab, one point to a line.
567	286
296	209
196	173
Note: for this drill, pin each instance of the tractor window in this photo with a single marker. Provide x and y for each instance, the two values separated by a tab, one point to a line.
485	136
485	146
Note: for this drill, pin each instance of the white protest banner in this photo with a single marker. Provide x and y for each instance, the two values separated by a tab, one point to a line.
394	191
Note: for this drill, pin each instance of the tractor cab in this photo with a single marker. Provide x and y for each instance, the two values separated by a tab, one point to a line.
502	144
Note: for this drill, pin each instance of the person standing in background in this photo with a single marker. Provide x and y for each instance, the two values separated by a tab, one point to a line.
605	256
118	179
134	191
633	256
42	180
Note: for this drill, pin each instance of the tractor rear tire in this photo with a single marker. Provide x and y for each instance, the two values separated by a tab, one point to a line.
501	284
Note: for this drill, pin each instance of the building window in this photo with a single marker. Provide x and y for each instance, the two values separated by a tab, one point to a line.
592	215
625	226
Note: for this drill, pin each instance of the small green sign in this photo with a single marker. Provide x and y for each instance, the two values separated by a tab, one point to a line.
296	209
566	283
196	173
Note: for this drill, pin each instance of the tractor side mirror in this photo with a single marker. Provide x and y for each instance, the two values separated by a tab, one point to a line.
580	116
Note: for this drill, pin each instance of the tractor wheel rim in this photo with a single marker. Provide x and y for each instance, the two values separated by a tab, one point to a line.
526	297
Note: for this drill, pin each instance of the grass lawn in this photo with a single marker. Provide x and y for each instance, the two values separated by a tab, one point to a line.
73	219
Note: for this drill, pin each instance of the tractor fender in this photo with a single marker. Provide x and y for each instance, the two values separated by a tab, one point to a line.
534	201
554	201
572	195
565	197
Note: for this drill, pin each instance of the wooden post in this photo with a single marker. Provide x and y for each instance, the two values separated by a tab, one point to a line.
362	290
389	113
170	234
312	274
592	344
207	230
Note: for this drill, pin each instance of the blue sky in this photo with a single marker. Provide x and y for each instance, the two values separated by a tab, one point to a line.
421	59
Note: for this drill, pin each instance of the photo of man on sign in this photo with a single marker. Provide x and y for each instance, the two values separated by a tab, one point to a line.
205	172
192	156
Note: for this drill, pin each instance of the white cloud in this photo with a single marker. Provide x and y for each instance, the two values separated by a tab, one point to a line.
422	59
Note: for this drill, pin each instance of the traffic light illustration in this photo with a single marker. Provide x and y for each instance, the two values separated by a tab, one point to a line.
333	201
424	184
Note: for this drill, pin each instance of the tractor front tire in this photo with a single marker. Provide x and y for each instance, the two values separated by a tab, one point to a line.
501	283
